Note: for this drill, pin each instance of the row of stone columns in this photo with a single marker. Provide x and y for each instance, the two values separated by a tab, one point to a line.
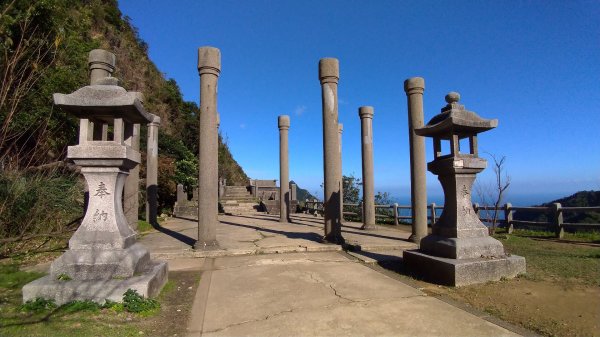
209	67
333	196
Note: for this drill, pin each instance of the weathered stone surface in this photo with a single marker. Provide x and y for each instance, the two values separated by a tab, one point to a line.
329	75
98	264
209	68
103	247
366	121
284	169
148	284
152	171
414	88
461	272
459	250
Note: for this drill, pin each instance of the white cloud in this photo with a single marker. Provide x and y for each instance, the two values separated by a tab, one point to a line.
300	109
242	126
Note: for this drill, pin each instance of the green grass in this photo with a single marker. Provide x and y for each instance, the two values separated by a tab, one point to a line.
548	258
12	278
144	226
78	318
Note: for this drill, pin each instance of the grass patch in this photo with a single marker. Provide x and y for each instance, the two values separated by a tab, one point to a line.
144	226
549	259
12	278
42	317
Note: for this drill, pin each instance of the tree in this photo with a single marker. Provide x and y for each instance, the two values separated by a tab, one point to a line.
493	194
351	189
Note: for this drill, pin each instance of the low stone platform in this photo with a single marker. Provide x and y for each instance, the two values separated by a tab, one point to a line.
462	272
148	284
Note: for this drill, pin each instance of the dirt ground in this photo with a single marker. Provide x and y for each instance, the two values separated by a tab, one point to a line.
175	309
545	306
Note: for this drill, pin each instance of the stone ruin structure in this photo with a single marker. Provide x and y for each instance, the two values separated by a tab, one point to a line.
209	68
256	196
459	251
329	75
103	260
414	88
366	120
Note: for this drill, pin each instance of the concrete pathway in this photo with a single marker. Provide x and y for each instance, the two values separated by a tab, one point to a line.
248	289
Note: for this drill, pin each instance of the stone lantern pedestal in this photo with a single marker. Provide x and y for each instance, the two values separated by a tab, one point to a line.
103	260
459	250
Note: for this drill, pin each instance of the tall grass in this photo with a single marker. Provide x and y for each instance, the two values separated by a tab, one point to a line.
37	205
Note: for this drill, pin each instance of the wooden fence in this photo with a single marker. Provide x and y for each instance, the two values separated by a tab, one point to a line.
505	215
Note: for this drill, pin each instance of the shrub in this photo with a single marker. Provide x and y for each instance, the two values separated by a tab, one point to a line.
134	302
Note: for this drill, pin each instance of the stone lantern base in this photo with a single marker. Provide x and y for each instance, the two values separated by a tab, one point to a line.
148	283
462	272
103	260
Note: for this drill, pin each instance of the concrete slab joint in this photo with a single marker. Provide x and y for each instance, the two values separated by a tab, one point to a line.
103	259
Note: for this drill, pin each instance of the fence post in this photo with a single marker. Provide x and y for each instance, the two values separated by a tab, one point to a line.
396	214
433	215
476	209
508	217
558	220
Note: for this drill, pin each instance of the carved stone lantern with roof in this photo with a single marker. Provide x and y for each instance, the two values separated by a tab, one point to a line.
103	260
459	250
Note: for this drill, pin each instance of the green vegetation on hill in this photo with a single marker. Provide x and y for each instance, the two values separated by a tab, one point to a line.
302	194
579	199
44	46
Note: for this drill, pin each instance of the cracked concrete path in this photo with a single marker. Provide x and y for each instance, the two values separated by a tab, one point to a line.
264	234
319	294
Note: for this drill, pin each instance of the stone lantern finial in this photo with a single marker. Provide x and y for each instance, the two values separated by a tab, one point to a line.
452	97
102	65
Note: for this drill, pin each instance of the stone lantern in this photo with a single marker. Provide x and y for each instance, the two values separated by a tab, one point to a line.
103	259
459	250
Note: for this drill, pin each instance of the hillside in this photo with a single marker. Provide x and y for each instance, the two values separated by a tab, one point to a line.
44	46
579	199
302	194
46	43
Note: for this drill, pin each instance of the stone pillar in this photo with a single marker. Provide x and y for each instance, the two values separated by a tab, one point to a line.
181	195
329	74
131	191
414	88
152	172
284	169
293	191
209	68
366	131
340	174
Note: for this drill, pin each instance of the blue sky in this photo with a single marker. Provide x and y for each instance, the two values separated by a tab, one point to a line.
534	65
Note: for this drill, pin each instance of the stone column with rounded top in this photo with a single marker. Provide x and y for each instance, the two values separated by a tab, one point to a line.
284	169
329	74
131	191
414	88
366	130
340	174
152	172
209	68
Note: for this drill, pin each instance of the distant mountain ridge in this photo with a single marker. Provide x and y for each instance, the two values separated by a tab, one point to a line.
579	199
302	194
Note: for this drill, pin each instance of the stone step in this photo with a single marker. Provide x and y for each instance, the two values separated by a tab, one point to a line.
247	199
370	257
